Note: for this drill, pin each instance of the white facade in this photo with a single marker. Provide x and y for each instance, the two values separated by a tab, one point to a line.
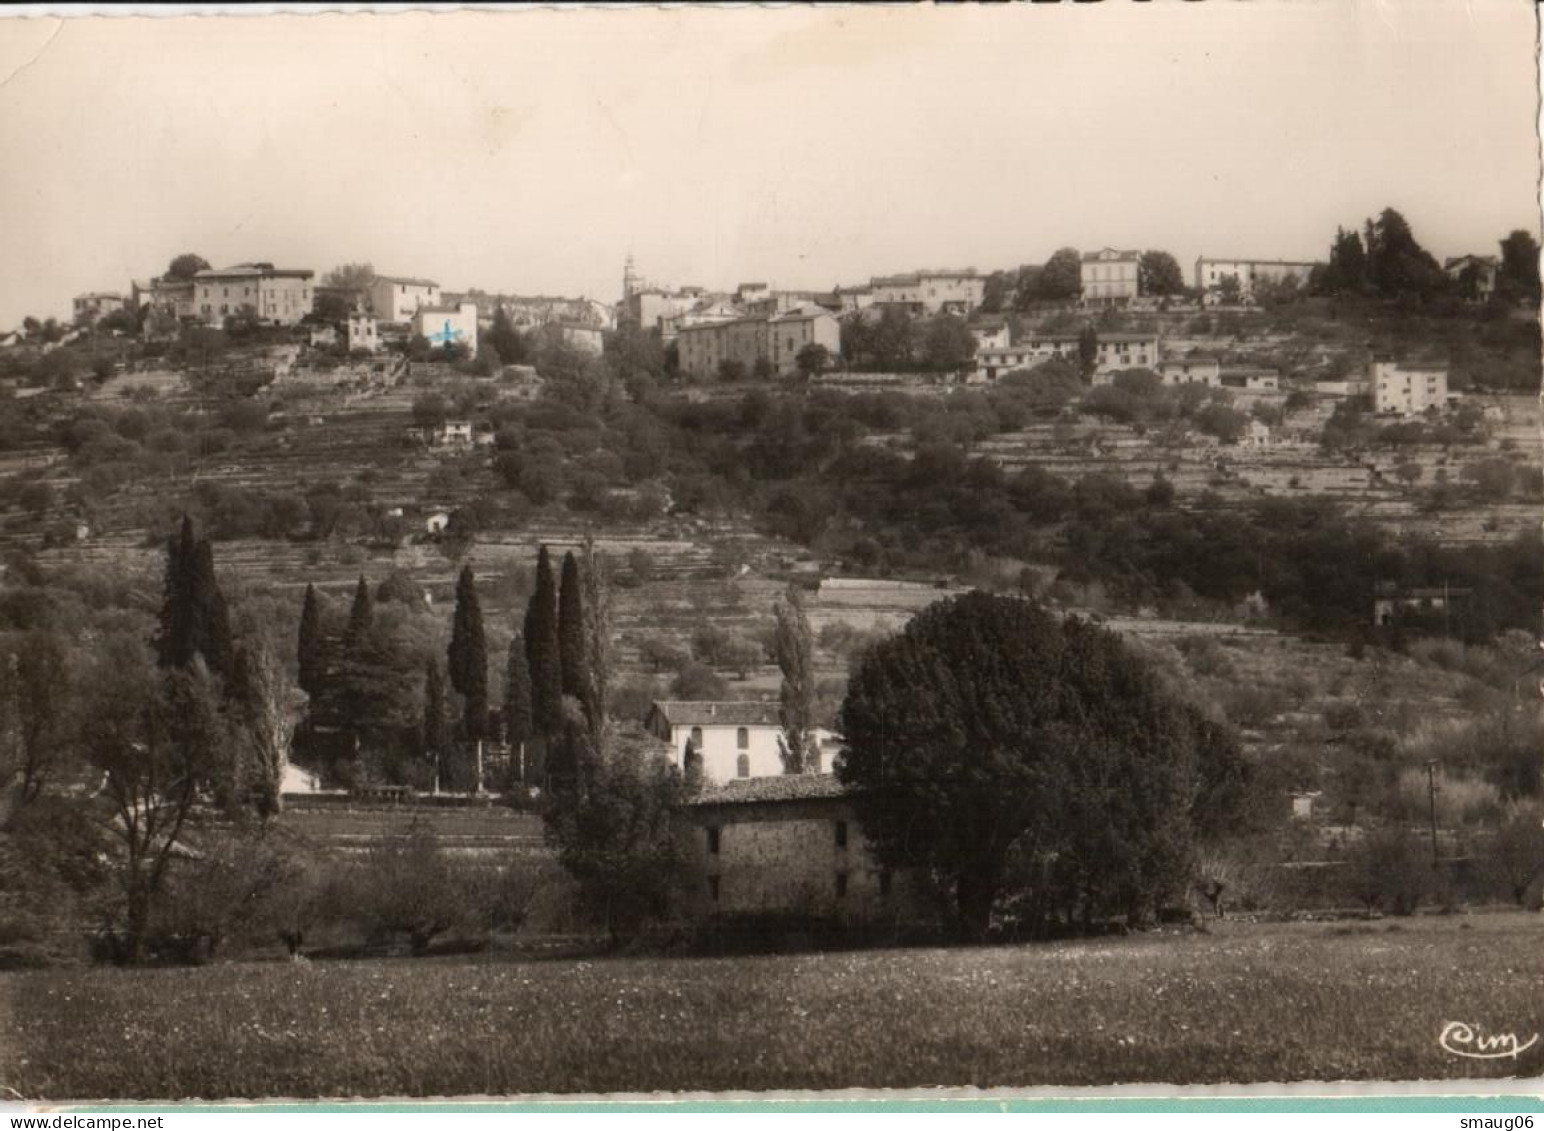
1211	272
1191	371
1407	392
931	292
396	300
1110	276
736	739
446	325
1126	351
363	333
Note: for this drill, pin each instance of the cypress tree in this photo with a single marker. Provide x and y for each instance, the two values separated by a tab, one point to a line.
541	651
468	656
517	694
361	616
310	648
571	629
211	616
176	638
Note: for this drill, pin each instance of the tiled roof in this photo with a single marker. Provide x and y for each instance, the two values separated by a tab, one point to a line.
1111	255
720	712
784	787
248	271
1258	262
406	281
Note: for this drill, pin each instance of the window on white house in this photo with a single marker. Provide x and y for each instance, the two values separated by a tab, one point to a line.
742	766
742	738
697	737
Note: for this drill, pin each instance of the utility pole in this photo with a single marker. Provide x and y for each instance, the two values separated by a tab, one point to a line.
1431	784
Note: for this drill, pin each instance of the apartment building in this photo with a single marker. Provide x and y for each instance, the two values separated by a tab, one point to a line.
1407	391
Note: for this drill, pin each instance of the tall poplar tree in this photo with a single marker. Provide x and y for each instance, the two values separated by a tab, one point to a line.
468	656
796	699
541	651
595	687
571	628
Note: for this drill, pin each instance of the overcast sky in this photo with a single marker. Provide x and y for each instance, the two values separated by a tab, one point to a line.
530	151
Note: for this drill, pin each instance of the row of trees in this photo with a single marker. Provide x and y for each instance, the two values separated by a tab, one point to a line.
1386	260
114	753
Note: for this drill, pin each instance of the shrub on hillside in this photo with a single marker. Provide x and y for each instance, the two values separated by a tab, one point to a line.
410	886
1391	870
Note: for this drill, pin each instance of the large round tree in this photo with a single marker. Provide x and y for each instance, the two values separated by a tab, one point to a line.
1008	752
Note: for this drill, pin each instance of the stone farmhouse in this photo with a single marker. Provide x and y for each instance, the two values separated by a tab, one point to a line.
789	844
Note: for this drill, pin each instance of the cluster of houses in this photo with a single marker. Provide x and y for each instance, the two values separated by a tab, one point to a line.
1396	389
389	309
765	331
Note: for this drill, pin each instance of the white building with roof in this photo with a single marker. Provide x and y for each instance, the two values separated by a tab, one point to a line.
1110	276
448	326
736	738
396	299
1407	390
1211	272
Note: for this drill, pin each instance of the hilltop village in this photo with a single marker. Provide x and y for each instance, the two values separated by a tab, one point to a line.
1306	492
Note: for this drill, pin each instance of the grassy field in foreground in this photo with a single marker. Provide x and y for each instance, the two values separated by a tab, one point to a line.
1247	1002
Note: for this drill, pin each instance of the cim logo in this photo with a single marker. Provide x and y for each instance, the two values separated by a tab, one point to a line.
1464	1040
